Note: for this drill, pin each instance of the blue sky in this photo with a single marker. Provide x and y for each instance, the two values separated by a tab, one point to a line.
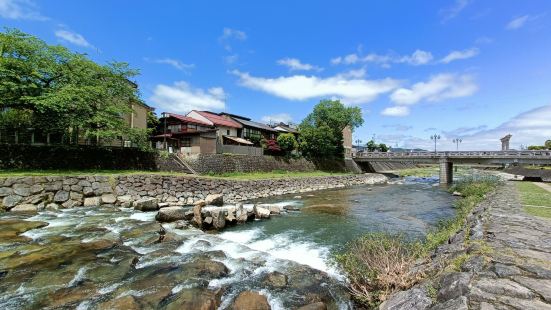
471	69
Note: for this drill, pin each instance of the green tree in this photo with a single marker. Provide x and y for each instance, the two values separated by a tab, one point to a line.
548	144
371	146
287	142
383	147
64	91
321	131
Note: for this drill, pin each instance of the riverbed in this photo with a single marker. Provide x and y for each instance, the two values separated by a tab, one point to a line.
90	258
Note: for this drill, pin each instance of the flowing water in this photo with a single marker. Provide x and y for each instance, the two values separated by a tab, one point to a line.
88	258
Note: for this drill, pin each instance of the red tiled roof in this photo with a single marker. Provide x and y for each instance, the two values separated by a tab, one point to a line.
188	119
219	120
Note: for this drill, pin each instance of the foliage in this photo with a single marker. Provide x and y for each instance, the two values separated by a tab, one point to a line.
536	147
383	148
378	264
62	90
287	142
321	131
15	119
152	120
256	140
371	146
548	144
272	147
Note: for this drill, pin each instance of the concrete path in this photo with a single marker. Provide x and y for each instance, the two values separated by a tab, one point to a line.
543	185
518	270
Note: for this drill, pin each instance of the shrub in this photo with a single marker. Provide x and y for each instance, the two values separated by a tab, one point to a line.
379	264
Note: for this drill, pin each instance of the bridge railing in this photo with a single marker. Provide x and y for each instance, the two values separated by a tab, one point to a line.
479	154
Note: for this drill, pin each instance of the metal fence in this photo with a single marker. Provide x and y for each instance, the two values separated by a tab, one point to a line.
239	149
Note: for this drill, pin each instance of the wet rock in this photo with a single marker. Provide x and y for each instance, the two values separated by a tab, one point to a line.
71	297
415	298
241	214
52	207
128	302
275	210
25	208
218	219
11	201
92	202
459	303
188	215
251	300
453	285
291	208
182	224
276	279
208	220
196	298
215	200
146	204
261	213
197	214
70	204
61	196
315	306
98	245
108	199
170	214
12	228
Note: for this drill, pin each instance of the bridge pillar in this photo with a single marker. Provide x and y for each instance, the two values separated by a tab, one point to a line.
446	171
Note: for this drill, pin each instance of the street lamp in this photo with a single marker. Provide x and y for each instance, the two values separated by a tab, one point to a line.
164	115
457	141
435	137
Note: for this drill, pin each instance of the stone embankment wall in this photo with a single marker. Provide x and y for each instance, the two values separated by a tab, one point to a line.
226	163
32	193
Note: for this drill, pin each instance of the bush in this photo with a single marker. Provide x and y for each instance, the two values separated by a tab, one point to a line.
379	264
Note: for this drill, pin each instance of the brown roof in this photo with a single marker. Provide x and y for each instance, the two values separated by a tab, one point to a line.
219	120
188	119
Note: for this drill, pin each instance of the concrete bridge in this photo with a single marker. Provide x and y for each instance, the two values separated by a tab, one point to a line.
447	159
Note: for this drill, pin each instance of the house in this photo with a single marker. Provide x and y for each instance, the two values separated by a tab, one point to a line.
286	128
185	134
252	131
138	117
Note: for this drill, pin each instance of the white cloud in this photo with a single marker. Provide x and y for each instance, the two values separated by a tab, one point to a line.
301	87
451	12
518	22
457	55
396	111
182	98
228	35
72	37
174	63
438	88
295	65
277	118
20	9
419	57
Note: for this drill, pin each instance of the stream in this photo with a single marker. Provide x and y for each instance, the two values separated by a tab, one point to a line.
107	258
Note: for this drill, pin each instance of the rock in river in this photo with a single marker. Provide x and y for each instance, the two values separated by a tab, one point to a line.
251	300
215	200
171	214
146	204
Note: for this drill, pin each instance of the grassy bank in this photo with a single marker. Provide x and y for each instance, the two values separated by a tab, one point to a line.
535	200
236	175
379	264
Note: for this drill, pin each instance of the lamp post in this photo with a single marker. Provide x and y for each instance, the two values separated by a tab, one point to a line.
435	137
457	141
165	116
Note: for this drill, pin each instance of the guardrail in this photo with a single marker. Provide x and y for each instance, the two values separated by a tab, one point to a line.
478	154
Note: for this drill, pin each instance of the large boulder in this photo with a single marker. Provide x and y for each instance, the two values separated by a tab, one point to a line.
108	199
25	208
415	298
276	279
218	218
171	214
261	213
146	204
251	300
215	200
197	215
61	196
241	214
92	201
453	285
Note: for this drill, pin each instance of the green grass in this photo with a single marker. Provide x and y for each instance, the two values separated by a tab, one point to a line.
533	195
236	176
538	211
275	174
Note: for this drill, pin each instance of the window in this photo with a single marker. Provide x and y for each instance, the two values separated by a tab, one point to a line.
174	128
127	143
251	133
192	126
228	132
186	142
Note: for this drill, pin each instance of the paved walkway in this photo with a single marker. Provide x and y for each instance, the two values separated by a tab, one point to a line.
543	185
518	274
